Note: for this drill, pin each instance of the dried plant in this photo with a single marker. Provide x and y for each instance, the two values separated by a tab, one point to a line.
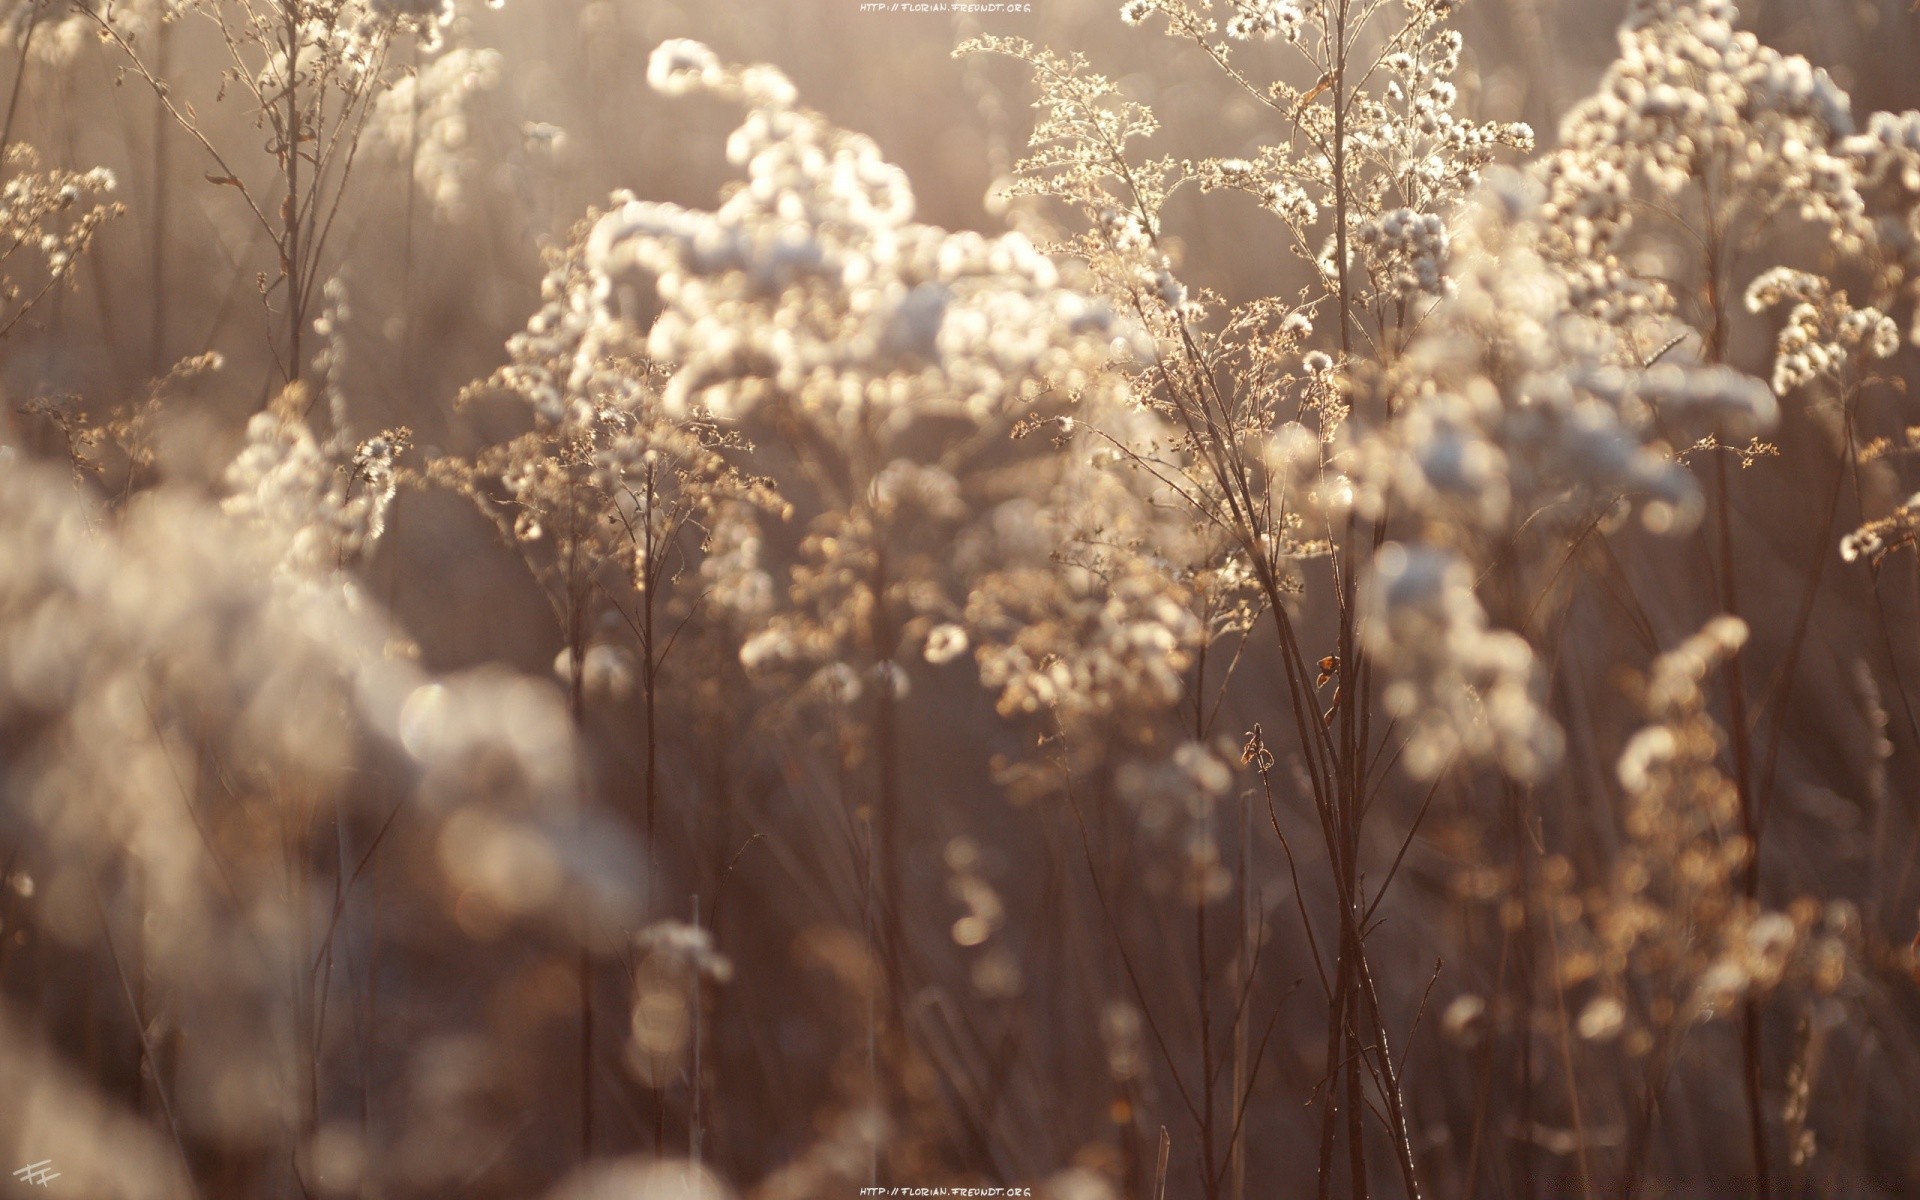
311	74
47	221
1321	651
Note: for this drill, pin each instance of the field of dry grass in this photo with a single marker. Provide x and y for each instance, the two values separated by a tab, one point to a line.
631	600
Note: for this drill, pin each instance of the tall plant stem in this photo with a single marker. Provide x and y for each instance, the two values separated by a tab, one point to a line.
577	706
290	247
1739	730
888	838
19	81
162	202
1740	735
650	675
1245	950
409	223
1210	1173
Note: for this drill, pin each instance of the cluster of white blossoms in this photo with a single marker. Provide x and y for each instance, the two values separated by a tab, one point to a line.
326	52
1124	646
1419	85
1669	919
425	116
680	947
1694	106
1873	540
1429	156
47	218
323	502
607	496
172	708
1513	409
576	357
1407	248
1886	162
427	18
1677	894
1086	630
812	303
1265	19
673	965
338	40
1466	691
1689	93
1412	155
1516	402
1410	159
814	283
1824	332
1700	122
438	12
1077	611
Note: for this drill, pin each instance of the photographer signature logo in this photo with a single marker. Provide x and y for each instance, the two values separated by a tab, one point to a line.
41	1173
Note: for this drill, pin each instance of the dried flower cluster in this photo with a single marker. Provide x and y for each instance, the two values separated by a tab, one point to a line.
47	220
1288	666
425	117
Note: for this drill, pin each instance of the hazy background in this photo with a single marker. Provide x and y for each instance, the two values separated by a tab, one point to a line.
435	291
